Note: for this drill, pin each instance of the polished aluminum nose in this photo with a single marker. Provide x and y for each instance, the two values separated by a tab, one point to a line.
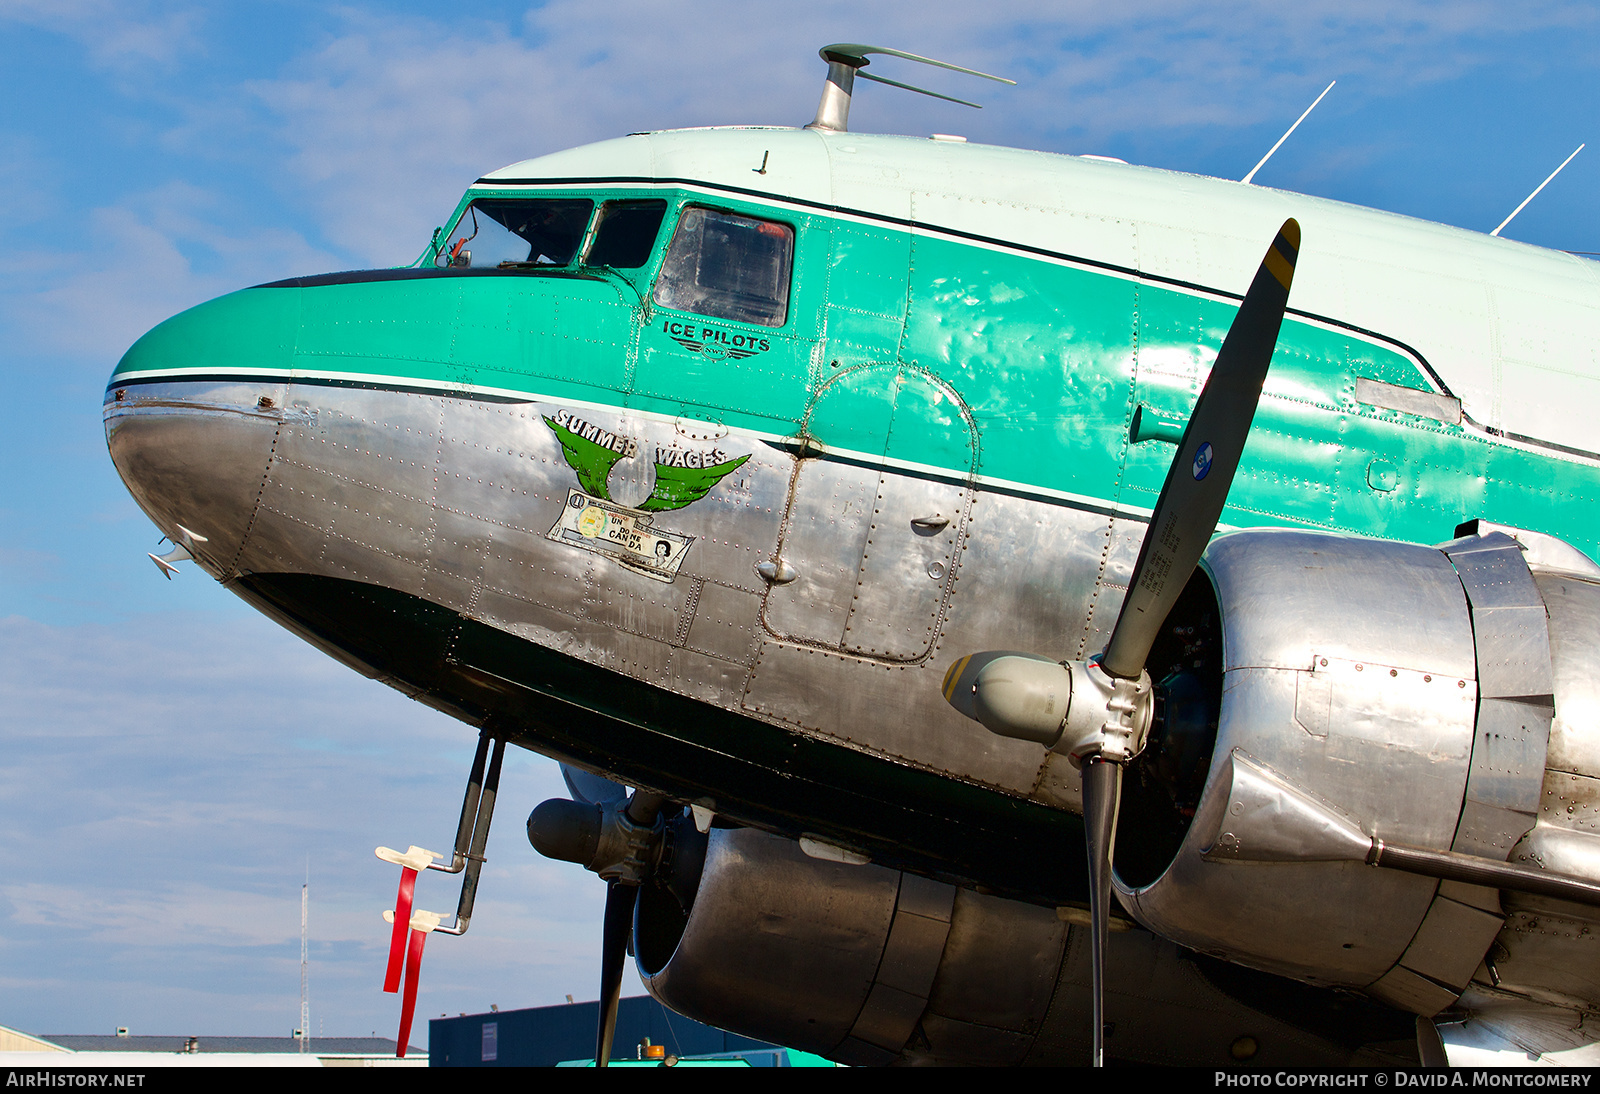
191	415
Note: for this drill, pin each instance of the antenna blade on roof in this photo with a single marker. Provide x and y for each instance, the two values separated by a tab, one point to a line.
1291	129
918	90
860	53
1531	196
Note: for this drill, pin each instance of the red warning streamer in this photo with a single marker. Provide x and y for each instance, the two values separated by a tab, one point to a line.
408	1004
402	921
412	923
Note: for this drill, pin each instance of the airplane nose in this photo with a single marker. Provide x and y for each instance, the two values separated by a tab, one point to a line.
191	414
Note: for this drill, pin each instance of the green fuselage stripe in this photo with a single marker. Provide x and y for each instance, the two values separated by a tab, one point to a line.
1045	358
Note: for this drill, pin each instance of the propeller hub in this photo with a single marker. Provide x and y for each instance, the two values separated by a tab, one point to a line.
625	840
1024	697
1072	707
1118	725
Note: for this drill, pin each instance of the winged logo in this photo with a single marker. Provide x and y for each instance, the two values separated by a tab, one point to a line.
590	459
714	350
593	452
679	486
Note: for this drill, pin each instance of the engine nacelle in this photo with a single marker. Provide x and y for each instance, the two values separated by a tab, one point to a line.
1372	690
1318	693
869	965
841	959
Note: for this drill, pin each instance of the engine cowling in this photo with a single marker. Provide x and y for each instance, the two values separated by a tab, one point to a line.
1371	690
841	959
869	965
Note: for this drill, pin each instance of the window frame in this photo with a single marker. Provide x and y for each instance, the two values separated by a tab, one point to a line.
437	249
764	216
671	211
644	278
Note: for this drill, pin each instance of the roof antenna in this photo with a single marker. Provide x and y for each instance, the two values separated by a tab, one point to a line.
1292	128
845	62
1541	186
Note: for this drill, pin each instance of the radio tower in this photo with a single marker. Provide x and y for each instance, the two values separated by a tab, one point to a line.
305	1004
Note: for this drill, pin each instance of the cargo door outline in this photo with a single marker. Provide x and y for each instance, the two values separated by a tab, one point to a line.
879	506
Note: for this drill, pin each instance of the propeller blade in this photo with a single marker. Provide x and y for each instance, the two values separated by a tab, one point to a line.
643	808
1197	483
613	952
589	788
1102	794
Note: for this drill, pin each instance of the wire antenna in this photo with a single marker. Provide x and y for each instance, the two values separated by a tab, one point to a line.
1292	128
305	1002
1535	193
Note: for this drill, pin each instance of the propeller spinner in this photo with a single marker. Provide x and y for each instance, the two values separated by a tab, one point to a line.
1098	712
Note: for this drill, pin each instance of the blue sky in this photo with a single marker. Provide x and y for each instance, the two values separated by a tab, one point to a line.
172	760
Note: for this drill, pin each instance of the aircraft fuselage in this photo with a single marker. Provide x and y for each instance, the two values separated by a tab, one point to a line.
720	530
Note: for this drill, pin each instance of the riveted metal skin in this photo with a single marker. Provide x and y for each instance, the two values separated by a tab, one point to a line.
1549	948
1515	693
200	450
872	966
459	502
877	551
453	502
1343	658
1474	693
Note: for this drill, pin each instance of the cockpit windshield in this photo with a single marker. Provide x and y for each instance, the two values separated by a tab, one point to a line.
516	232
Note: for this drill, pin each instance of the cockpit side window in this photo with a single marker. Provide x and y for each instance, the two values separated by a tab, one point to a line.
626	234
729	267
516	232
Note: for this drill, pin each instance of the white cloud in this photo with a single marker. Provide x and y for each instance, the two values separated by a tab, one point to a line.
392	118
1100	70
203	914
164	780
89	288
159	820
122	35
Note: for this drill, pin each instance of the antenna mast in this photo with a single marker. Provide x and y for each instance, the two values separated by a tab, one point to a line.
1535	193
305	1004
1292	128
